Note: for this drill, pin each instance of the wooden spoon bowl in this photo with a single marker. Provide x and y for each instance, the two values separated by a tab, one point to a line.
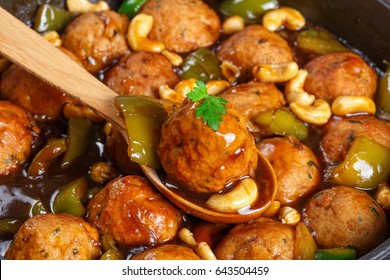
265	179
28	49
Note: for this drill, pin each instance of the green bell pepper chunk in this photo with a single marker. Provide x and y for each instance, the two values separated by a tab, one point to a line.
281	122
50	18
79	136
318	41
336	254
143	117
383	96
111	251
202	65
366	165
47	156
10	226
250	10
131	7
69	198
37	209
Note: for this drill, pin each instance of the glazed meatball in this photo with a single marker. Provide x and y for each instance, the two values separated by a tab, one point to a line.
262	239
55	237
133	213
340	133
254	45
141	73
18	132
296	167
167	252
337	74
97	38
34	95
183	25
202	160
344	216
253	98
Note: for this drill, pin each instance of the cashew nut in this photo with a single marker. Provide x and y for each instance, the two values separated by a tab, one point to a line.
294	91
317	114
214	87
288	215
177	94
174	58
382	195
244	194
84	6
102	171
288	17
275	73
230	71
137	35
202	248
345	105
272	210
181	89
233	24
53	37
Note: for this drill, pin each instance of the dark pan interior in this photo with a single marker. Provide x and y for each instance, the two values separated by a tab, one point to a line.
364	24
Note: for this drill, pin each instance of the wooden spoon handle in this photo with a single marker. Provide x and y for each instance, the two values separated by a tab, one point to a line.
25	47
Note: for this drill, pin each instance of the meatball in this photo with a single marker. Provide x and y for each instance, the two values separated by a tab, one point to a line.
296	167
337	74
133	213
262	239
253	98
141	73
168	252
34	95
183	25
55	237
18	132
340	133
254	45
202	160
97	38
344	216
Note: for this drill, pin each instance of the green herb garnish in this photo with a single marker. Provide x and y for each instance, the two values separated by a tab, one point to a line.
211	109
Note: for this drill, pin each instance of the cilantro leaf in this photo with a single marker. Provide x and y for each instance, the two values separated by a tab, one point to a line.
211	109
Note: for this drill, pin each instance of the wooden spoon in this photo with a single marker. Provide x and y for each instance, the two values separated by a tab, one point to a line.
28	49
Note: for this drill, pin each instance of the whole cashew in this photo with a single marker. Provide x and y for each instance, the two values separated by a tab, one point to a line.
137	35
233	24
294	91
174	58
284	16
345	105
84	6
319	113
201	248
53	37
275	73
382	195
230	71
272	210
179	92
288	215
244	194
